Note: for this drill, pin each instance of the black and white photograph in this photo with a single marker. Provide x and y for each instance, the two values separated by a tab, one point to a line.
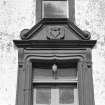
52	52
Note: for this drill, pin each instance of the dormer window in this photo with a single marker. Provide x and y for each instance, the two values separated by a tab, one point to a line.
55	9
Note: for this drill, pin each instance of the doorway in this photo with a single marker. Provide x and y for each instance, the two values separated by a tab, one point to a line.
59	87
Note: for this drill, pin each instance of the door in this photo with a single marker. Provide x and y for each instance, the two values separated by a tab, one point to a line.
55	87
55	94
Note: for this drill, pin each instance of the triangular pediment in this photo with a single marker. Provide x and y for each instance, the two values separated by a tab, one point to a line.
55	29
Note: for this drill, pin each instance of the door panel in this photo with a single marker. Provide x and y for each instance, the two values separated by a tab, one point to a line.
55	95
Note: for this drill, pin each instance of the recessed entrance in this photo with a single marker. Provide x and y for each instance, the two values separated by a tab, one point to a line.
55	85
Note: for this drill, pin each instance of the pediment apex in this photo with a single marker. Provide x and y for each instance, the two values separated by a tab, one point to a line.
27	34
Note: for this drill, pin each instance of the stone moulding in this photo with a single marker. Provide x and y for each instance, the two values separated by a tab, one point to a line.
55	43
79	51
84	35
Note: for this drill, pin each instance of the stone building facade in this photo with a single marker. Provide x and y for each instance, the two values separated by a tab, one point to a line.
16	15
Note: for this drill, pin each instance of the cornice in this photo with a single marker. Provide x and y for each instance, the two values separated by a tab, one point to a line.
55	43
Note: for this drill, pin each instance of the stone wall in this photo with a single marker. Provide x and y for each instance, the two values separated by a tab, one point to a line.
16	15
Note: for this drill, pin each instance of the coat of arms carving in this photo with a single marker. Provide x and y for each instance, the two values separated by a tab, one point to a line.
56	32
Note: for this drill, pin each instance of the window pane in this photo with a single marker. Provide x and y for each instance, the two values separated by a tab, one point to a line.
55	9
66	95
42	95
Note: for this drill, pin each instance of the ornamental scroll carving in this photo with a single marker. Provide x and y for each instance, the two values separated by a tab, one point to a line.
56	32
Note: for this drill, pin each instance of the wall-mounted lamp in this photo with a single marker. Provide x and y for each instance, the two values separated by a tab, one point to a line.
54	68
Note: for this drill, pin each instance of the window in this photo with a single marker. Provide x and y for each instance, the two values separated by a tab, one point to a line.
55	84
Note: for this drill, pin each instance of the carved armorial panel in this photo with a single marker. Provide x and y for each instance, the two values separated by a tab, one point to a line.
56	32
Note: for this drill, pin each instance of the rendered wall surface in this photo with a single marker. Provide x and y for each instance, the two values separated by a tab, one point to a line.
16	15
90	15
